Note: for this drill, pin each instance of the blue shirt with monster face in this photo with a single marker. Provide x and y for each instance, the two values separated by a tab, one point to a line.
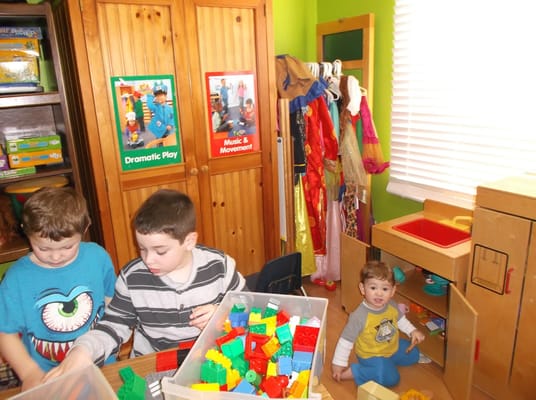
51	307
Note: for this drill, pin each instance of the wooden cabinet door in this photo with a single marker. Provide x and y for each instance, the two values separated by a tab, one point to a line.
461	341
494	288
238	192
524	365
234	194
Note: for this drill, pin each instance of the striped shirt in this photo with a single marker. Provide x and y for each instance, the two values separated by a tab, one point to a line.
156	309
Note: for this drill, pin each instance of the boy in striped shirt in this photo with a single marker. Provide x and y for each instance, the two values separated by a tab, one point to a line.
168	294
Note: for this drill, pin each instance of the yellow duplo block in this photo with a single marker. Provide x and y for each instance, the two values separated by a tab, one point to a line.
254	318
218	358
374	391
227	326
271	369
206	387
233	378
303	376
271	324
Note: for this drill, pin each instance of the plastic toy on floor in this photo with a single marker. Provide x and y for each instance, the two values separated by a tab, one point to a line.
413	394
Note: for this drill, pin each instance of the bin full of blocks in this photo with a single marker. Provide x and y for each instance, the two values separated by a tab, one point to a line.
256	345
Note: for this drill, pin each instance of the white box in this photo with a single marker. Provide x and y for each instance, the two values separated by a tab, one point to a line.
82	384
178	386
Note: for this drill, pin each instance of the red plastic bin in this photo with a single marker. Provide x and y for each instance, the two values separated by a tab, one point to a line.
433	232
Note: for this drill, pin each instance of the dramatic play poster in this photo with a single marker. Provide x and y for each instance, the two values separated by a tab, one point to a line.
232	107
147	121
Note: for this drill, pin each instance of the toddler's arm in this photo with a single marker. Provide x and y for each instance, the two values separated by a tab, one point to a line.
409	329
340	358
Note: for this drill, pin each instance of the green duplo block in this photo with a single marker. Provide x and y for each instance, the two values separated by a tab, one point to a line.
253	377
213	373
233	348
240	365
258	328
134	386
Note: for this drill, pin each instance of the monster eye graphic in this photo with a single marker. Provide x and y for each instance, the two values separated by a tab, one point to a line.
64	315
68	316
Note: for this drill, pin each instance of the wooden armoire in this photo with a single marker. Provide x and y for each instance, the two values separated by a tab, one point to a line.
236	195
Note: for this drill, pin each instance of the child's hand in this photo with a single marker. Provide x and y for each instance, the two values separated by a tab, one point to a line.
33	378
336	371
201	315
416	338
77	357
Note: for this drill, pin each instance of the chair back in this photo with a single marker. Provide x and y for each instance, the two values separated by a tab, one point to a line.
281	275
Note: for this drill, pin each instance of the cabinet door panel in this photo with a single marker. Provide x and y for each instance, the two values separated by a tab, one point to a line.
238	192
497	312
461	341
234	195
133	39
524	366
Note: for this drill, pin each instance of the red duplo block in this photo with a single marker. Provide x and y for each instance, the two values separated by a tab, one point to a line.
305	338
259	365
282	318
166	361
237	331
274	386
253	348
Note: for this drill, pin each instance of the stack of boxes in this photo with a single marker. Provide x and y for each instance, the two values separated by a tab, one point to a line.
21	152
30	151
19	59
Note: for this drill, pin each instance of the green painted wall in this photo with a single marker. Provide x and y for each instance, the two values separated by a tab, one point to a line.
293	18
295	28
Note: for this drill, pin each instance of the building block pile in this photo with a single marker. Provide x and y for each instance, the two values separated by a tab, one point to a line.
267	353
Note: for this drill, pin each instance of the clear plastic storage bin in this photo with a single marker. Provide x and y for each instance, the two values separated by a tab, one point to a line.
178	386
83	384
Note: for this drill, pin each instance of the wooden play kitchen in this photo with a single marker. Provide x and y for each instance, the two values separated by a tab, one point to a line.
501	287
433	242
495	270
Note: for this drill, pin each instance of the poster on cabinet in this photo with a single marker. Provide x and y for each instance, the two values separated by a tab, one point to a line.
232	108
146	121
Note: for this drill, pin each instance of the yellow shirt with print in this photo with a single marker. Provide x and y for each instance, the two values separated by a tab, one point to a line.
380	336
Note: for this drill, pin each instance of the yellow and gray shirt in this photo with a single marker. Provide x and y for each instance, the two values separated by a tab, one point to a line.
371	333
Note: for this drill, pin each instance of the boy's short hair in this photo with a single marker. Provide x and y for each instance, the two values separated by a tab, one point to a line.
55	213
377	270
166	211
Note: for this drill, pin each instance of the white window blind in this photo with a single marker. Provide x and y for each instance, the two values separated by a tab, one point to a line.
463	104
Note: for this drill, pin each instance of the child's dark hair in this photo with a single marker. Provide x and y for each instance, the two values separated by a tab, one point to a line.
166	211
55	213
377	270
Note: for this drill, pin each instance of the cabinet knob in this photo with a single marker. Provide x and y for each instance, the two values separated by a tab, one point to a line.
204	168
194	171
